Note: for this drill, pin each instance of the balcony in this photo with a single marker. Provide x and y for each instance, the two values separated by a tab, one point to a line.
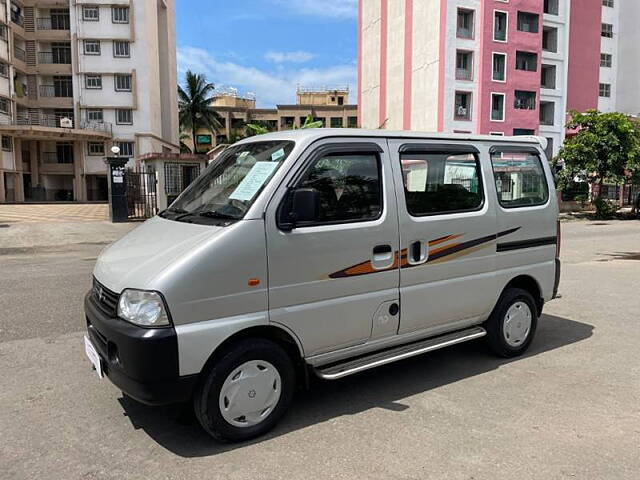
63	90
57	22
20	54
45	126
59	57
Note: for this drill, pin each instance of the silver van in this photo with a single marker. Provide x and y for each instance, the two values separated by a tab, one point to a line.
324	252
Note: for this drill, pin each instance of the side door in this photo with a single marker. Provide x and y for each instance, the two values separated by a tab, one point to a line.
331	275
447	234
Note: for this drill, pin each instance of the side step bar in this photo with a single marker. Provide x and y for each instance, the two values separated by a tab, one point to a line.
335	371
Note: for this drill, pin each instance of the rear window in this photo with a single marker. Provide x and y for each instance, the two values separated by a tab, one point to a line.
441	182
520	178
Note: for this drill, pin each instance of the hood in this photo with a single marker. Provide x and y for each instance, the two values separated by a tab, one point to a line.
139	257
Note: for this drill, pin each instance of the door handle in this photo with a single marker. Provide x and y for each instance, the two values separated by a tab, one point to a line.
382	249
417	253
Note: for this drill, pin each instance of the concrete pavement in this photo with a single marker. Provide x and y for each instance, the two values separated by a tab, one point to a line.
570	408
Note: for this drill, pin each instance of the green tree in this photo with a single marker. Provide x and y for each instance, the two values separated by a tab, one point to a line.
309	123
194	105
605	147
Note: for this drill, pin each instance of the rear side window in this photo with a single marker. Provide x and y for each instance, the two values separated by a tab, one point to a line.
437	183
349	185
520	179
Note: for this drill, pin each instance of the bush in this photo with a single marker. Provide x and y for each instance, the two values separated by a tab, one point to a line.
582	199
605	209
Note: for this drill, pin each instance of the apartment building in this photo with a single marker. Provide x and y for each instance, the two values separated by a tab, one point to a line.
328	105
500	67
76	78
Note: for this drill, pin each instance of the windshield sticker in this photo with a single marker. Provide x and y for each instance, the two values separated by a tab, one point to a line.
277	155
254	181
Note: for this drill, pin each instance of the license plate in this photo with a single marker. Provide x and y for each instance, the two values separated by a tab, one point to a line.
91	352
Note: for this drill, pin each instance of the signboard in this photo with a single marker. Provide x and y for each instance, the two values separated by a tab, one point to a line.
203	139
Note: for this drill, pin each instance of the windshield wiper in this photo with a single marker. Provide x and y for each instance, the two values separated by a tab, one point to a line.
214	214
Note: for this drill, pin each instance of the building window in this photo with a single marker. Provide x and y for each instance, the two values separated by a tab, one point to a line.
500	26
464	65
96	148
336	122
352	122
121	48
4	70
527	61
497	107
524	100
605	90
607	3
548	76
528	22
7	143
606	59
551	7
499	67
5	105
120	14
3	31
550	39
95	115
64	152
547	113
124	116
465	23
123	83
607	30
517	132
92	47
90	14
441	182
497	134
462	106
93	81
126	149
520	179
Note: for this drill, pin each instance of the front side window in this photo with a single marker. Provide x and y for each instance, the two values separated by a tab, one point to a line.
441	182
349	188
520	178
229	186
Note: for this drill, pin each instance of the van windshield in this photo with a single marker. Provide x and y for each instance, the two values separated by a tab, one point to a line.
228	187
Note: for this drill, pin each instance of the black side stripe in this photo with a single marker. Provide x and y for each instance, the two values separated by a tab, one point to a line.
533	242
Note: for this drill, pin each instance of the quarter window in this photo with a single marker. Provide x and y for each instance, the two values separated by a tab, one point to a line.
349	187
441	182
520	178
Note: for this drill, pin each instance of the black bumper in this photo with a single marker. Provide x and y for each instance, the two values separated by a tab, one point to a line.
142	362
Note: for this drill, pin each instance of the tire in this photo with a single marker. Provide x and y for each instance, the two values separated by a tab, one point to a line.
508	334
250	371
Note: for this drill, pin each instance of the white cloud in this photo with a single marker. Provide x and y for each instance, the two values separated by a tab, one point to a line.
271	87
292	57
323	8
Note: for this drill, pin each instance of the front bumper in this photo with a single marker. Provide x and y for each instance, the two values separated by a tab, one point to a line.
142	362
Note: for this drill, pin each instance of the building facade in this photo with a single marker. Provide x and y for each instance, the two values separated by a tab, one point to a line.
330	106
76	78
501	67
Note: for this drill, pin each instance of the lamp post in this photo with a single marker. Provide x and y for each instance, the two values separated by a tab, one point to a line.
118	211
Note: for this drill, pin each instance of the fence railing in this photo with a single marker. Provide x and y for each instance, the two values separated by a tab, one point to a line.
463	74
62	91
53	23
56	57
55	121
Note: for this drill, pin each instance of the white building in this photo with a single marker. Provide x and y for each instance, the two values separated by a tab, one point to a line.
77	77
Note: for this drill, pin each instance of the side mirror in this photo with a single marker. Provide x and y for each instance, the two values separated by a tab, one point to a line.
305	207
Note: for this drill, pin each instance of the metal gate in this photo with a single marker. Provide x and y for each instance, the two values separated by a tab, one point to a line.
142	198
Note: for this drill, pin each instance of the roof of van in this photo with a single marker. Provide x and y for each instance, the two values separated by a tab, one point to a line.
316	133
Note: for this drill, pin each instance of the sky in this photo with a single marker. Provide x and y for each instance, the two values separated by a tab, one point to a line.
268	47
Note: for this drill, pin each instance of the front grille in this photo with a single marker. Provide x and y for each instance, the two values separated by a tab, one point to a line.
104	298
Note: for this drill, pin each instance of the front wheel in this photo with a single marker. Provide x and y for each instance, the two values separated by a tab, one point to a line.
246	392
512	324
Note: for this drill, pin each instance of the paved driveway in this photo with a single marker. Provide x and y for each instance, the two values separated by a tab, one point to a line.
570	408
57	213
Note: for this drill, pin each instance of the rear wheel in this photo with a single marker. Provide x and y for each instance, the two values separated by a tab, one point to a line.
512	324
246	392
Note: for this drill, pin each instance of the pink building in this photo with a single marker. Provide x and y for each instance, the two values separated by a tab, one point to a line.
501	67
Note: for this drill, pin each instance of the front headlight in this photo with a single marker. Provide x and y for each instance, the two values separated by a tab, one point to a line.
143	308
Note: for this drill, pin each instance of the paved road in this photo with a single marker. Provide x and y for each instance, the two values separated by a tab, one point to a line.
569	409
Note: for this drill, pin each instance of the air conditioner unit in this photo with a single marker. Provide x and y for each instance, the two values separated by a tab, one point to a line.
462	112
66	122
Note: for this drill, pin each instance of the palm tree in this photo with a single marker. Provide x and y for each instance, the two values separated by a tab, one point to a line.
194	105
